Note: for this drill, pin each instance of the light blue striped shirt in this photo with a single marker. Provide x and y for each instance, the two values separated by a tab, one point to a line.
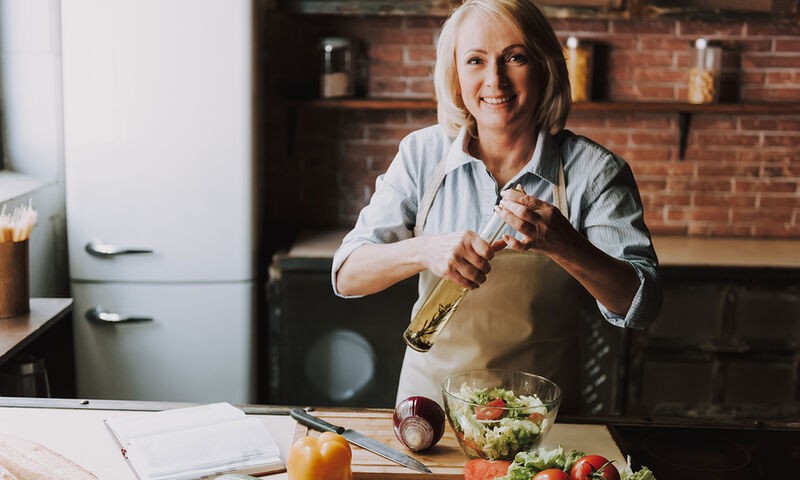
604	203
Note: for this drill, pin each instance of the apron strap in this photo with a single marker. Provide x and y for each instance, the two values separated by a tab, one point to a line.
428	195
560	192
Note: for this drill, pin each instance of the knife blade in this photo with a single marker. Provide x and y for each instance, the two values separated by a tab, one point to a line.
361	440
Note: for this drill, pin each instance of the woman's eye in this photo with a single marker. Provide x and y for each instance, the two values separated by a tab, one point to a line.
474	61
516	58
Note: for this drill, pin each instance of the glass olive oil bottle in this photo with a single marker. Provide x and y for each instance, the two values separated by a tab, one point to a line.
443	301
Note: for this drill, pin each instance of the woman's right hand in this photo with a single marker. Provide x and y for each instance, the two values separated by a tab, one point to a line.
461	257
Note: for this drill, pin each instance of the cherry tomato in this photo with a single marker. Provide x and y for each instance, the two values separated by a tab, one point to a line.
593	467
491	411
480	469
551	474
469	445
536	417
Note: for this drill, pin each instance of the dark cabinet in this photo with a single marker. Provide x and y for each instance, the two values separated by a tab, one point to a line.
329	351
725	345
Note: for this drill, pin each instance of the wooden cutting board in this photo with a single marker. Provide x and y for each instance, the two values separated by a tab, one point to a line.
446	459
27	459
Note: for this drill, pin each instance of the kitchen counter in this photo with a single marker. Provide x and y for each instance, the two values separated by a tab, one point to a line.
673	448
54	423
42	337
17	332
75	429
672	251
676	251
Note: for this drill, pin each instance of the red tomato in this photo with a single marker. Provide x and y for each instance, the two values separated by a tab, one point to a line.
491	411
536	417
470	446
593	467
480	469
551	474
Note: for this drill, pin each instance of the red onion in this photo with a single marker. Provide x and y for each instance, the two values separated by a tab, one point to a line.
418	423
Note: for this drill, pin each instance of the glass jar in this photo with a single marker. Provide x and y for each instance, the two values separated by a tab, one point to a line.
704	73
579	56
338	72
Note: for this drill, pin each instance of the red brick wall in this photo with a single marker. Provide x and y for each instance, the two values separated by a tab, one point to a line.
740	175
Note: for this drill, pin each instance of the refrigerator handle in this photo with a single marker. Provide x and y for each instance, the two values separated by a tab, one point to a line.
104	250
100	315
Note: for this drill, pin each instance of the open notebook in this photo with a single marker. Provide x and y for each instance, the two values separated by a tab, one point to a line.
195	442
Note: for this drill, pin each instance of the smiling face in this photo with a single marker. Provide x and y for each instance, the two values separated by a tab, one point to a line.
498	78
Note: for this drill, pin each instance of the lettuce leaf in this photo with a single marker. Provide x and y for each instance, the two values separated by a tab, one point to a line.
627	473
528	464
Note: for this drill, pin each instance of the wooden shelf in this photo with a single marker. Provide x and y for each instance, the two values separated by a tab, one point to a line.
682	109
366	103
627	106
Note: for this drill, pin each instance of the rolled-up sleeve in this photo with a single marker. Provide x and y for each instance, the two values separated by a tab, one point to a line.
613	220
390	214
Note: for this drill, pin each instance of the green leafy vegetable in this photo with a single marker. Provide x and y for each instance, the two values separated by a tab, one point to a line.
527	464
627	473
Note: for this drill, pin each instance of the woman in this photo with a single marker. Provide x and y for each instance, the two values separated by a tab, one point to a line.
503	99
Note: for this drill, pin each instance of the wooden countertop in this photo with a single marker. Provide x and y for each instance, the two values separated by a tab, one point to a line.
727	252
672	251
53	423
16	332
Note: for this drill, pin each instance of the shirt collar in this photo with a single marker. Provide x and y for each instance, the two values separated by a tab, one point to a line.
545	160
457	155
541	164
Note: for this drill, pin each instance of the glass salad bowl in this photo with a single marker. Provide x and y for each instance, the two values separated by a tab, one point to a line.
496	414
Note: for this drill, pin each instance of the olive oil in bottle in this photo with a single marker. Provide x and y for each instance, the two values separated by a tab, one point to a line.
443	301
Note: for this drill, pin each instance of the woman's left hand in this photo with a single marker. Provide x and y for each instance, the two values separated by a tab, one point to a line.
612	281
541	224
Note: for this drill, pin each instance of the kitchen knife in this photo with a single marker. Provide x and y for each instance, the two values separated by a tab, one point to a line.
362	441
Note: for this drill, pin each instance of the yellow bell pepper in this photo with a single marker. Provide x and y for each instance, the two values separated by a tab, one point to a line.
326	457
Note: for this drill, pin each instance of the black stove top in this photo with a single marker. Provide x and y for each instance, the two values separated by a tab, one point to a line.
732	452
690	448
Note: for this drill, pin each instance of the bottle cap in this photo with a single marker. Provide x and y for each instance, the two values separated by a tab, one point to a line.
572	42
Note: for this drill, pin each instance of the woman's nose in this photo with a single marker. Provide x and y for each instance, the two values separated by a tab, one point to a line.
495	75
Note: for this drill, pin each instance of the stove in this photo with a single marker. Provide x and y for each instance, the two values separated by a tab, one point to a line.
751	451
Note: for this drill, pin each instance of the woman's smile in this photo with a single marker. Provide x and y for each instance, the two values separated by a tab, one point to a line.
498	100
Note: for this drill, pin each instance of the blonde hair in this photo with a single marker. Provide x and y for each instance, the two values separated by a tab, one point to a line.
541	42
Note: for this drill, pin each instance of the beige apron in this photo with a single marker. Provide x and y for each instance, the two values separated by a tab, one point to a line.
526	316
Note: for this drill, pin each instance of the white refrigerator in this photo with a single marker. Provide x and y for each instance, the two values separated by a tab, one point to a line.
160	197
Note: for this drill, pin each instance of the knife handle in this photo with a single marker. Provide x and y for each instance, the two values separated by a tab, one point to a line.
314	422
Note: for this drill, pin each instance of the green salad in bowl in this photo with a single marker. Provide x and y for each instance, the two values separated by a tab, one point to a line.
496	414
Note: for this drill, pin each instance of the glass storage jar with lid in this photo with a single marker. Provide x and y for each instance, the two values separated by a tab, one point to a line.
704	73
579	56
338	69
